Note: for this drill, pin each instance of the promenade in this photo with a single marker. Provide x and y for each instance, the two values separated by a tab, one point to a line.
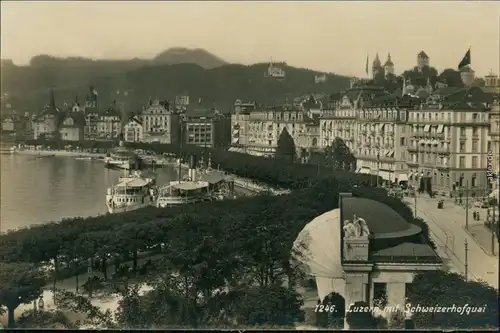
447	229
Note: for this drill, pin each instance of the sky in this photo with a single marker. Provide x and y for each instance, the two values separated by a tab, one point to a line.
331	36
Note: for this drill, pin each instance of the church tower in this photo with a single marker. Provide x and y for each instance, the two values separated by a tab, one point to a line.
389	65
376	66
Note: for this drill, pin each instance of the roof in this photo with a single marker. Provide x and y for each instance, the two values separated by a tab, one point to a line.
195	113
422	54
445	91
214	176
135	182
311	103
187	186
78	118
406	252
382	220
469	98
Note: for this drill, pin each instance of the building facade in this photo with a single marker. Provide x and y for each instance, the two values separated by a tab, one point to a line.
494	147
133	131
46	122
206	128
160	123
109	124
257	132
381	142
71	126
448	142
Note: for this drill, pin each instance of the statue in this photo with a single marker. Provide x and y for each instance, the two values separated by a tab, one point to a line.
356	228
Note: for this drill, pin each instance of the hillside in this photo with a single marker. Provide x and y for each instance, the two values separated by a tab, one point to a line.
180	55
29	85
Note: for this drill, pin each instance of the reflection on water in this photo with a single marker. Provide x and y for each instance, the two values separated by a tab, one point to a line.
48	189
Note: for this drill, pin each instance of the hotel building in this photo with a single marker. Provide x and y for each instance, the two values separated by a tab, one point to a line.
448	142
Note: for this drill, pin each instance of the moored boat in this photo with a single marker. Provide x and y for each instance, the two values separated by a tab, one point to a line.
131	192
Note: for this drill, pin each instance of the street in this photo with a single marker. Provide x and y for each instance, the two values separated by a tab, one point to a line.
447	231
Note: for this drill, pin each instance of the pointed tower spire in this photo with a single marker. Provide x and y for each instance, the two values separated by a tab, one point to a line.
76	100
52	102
403	91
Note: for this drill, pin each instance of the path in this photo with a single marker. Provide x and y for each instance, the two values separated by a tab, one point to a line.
104	302
447	230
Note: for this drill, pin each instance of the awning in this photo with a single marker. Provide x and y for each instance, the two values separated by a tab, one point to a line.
402	177
422	142
358	170
235	131
440	129
427	128
365	171
235	124
235	140
435	142
494	194
386	175
382	127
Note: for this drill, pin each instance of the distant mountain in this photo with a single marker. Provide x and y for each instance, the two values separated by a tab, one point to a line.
180	55
198	76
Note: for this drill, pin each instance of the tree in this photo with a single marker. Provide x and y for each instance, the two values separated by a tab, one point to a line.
418	77
19	283
286	147
451	77
339	156
275	305
479	81
446	289
45	320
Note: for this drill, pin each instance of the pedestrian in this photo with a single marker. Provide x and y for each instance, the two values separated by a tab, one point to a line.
474	216
478	216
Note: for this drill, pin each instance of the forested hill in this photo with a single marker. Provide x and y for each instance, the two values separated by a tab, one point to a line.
29	86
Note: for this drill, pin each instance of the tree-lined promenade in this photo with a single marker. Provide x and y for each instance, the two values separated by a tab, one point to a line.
223	264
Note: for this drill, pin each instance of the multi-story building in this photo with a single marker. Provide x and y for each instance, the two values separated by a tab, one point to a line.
448	142
160	123
206	128
109	124
46	122
133	130
493	166
71	125
381	142
257	132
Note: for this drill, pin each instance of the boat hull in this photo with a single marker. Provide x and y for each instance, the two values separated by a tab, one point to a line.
114	208
118	165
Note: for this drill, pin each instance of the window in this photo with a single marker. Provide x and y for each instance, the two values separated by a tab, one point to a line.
379	294
462	131
489	146
461	163
474	161
475	116
462	147
475	131
402	141
474	146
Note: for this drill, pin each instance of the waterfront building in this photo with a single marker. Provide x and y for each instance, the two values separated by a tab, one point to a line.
206	128
256	132
364	251
45	122
15	125
109	123
133	130
381	138
448	142
71	125
494	144
159	122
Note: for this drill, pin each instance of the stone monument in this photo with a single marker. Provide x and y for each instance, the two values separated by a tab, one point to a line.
356	239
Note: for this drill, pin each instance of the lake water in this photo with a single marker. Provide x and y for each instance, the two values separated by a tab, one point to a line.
39	190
